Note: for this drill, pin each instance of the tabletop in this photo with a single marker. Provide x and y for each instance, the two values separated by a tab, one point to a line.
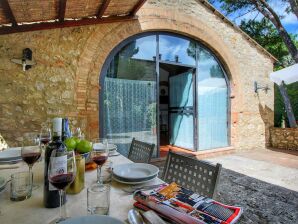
32	210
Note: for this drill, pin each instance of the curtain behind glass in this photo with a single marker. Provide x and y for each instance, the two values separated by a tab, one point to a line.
212	103
181	121
130	95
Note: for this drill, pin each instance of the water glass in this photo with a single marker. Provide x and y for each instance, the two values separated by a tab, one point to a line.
21	186
98	199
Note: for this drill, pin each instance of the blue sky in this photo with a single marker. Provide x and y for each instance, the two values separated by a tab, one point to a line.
289	21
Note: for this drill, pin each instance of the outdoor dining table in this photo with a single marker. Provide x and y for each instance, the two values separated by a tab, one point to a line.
32	210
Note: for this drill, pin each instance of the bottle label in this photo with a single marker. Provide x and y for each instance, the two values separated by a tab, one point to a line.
58	166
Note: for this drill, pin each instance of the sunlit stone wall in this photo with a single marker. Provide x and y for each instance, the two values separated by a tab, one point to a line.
65	80
284	138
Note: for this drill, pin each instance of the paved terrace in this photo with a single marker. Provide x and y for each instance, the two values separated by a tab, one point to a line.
264	183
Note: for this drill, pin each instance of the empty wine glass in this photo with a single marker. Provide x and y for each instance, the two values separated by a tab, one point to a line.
30	151
61	173
99	155
45	135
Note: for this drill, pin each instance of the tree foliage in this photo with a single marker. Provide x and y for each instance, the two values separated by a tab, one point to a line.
268	36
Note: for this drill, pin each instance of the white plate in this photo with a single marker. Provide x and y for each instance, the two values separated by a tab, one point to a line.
135	170
114	153
133	182
10	154
92	219
100	146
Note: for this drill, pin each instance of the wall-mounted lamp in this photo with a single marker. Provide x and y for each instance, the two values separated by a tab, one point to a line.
257	87
26	61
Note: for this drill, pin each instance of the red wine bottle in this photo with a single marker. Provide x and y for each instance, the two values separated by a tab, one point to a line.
50	193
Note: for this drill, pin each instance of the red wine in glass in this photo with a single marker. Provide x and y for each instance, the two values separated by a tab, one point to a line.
62	180
45	141
31	157
100	160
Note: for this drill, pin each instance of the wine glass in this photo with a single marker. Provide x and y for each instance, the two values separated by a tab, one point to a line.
99	155
61	173
45	135
30	151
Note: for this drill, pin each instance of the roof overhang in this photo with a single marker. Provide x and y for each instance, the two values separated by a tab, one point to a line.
287	75
21	16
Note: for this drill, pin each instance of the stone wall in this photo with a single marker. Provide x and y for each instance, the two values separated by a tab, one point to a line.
284	138
65	80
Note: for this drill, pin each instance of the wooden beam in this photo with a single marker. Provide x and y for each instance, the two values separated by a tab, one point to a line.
8	12
62	7
137	6
103	8
66	23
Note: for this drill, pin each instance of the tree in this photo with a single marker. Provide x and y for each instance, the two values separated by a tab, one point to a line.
293	7
267	36
262	6
231	6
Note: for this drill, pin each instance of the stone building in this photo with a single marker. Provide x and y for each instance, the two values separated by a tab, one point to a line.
180	59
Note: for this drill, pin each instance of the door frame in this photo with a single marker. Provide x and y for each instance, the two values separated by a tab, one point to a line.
106	64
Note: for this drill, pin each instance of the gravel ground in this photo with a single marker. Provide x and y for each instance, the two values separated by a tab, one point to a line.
261	202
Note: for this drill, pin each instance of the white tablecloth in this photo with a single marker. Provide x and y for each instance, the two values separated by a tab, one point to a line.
32	211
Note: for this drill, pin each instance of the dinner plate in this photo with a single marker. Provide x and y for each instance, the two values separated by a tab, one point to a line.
93	219
10	154
114	153
100	146
133	182
135	171
134	179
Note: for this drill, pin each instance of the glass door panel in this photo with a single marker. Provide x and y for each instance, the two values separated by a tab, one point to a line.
212	103
130	95
181	110
182	130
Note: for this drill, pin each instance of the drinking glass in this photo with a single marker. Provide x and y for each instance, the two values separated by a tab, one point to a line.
45	136
99	155
61	173
20	186
98	199
30	151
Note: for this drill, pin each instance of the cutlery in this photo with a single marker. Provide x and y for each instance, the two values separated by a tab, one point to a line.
134	217
4	185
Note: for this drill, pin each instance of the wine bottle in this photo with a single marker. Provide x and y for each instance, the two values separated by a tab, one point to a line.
50	193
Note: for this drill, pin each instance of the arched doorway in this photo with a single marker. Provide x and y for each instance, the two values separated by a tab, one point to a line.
164	88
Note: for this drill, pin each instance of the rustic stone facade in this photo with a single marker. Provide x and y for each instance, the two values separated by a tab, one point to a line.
284	138
65	80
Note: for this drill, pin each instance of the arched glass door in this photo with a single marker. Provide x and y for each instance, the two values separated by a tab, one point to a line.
192	107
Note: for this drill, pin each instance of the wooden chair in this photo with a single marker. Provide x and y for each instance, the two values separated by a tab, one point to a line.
140	152
196	175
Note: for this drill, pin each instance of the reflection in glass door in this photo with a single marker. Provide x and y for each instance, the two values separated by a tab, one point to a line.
129	99
181	110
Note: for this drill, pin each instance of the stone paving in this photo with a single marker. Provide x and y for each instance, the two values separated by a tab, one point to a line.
263	183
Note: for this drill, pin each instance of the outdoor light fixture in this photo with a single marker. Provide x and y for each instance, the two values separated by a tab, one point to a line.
257	87
26	61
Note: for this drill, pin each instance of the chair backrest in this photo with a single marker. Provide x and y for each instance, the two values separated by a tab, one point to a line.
140	152
196	175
